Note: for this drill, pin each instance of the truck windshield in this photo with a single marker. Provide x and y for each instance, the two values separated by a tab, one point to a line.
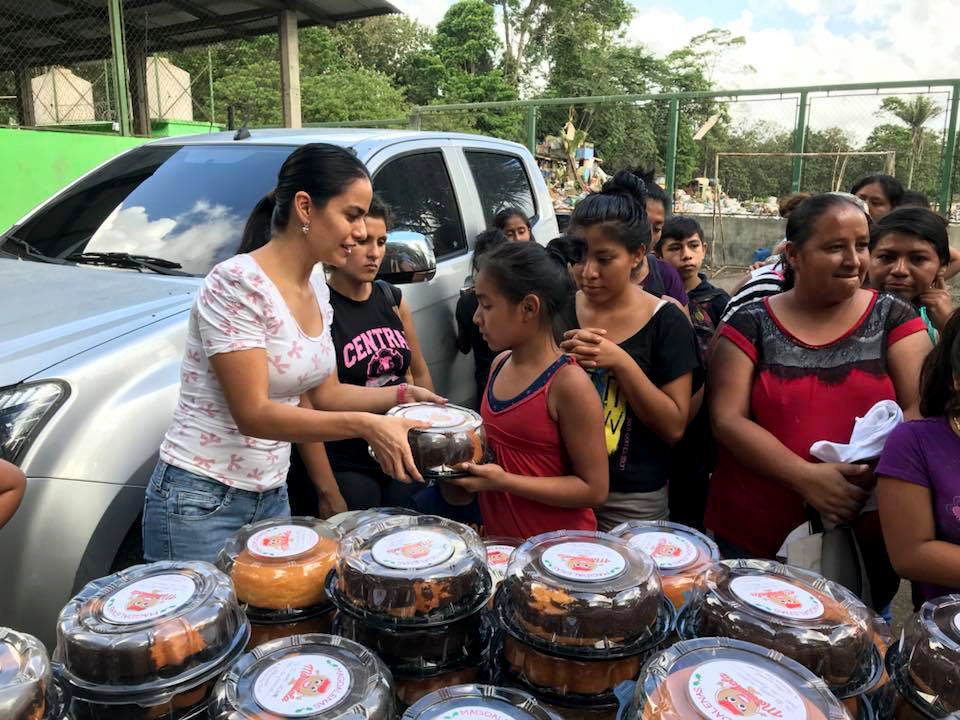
185	204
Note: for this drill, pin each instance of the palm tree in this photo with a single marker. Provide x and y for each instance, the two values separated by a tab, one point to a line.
914	114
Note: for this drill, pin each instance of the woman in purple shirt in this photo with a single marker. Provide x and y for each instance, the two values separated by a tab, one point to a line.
918	487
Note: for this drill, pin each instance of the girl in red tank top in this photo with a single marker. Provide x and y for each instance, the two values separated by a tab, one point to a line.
542	417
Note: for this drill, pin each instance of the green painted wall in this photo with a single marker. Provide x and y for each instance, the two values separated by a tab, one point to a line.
35	164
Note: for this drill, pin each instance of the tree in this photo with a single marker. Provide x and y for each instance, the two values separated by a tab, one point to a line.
361	94
914	114
528	26
386	43
926	168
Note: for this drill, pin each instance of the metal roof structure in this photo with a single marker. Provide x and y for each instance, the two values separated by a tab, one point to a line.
61	32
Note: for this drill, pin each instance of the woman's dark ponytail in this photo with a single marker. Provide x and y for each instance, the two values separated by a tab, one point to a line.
321	170
620	207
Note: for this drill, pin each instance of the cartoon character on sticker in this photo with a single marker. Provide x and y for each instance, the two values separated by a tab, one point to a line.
666	549
414	551
140	600
581	563
784	598
738	700
309	684
278	541
498	557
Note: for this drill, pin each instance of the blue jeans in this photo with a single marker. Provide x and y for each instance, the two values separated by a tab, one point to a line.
190	517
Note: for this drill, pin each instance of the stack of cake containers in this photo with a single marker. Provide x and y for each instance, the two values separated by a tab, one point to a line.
313	677
279	568
413	589
27	688
580	612
680	552
149	642
816	622
724	679
924	665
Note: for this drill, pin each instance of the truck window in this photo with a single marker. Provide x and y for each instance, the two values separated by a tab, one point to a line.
418	189
501	182
187	204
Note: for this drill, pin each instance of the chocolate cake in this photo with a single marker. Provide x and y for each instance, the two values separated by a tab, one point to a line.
455	436
566	676
281	563
420	569
680	552
727	680
926	662
814	621
478	702
261	632
188	704
147	626
582	589
416	649
316	677
411	688
25	677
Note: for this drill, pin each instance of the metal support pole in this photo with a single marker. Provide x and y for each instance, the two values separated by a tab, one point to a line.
799	141
532	129
949	153
414	121
671	169
118	44
210	79
290	70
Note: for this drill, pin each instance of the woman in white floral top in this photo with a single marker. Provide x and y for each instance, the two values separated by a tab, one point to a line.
259	370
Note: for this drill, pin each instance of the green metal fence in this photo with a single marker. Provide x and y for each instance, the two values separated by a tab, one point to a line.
842	127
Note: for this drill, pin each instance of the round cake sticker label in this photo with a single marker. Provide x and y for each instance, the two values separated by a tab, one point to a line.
471	712
437	415
777	597
148	599
730	690
956	622
669	551
282	541
584	561
412	549
498	557
302	685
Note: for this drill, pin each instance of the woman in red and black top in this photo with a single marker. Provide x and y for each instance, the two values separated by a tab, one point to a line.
801	366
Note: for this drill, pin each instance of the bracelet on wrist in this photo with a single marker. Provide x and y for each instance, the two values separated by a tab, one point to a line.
402	394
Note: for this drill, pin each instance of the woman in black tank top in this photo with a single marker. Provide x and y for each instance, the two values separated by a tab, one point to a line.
376	346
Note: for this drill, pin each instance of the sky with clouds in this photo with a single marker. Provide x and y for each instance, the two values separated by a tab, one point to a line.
799	42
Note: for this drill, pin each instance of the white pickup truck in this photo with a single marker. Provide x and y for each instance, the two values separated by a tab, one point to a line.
97	283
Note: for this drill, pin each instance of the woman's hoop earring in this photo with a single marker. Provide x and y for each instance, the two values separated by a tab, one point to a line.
305	228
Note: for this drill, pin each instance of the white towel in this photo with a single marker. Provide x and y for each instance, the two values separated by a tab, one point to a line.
867	439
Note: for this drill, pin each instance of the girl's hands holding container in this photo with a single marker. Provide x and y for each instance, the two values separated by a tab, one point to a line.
481	478
388	439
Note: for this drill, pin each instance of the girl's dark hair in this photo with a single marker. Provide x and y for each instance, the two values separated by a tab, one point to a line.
789	203
679	227
620	208
805	215
521	269
892	188
914	198
501	218
379	209
918	222
566	249
939	395
322	171
654	191
485	242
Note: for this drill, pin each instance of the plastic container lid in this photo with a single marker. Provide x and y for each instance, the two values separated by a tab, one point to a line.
808	618
478	702
350	520
680	552
499	552
25	676
147	632
925	664
584	590
455	436
319	677
411	570
723	679
280	564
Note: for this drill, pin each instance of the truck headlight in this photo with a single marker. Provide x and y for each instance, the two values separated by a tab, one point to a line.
24	410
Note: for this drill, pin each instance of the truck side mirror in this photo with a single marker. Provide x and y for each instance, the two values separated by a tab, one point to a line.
409	258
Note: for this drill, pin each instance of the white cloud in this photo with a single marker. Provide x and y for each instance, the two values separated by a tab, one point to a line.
429	12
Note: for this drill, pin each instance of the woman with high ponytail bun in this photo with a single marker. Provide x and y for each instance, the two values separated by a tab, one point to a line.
259	370
640	351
